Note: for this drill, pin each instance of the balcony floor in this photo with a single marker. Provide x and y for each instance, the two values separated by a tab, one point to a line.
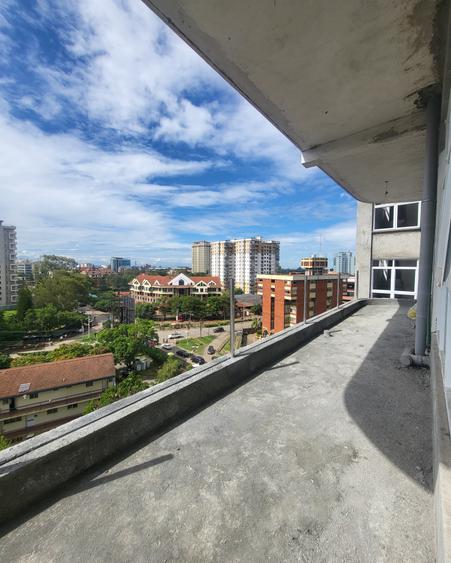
326	456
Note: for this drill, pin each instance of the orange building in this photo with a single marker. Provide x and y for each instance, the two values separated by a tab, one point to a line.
283	298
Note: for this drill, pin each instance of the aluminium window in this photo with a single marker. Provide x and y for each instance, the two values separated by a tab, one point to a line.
394	279
397	216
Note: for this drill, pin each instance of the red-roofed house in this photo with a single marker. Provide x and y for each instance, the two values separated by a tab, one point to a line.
150	289
38	397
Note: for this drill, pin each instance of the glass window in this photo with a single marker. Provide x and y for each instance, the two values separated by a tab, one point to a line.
381	279
405	280
406	263
407	215
403	296
383	217
383	263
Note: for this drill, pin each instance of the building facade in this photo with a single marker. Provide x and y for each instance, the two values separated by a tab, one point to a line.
24	272
344	263
200	257
8	274
315	265
38	397
283	298
243	260
150	289
388	249
117	263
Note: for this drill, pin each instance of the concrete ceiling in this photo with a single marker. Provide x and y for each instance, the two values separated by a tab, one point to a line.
340	79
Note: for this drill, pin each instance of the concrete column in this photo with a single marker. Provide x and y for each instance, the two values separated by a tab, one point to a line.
428	203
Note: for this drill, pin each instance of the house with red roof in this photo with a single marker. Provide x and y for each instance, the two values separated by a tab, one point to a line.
150	289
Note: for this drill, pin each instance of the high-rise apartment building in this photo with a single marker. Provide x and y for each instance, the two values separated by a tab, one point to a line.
8	279
201	257
117	263
344	262
243	260
314	265
24	271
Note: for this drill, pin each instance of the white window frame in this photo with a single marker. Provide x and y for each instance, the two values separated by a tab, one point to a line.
390	293
395	217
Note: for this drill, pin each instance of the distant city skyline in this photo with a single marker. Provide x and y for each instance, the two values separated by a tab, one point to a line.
136	147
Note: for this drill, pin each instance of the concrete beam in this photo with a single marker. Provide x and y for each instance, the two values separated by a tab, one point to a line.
31	470
358	143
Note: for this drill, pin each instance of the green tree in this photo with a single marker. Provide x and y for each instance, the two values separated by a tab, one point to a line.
145	310
4	442
64	290
5	361
256	309
24	302
238	291
172	367
49	263
132	384
164	306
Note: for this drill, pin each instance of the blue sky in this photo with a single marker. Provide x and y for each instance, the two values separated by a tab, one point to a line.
117	139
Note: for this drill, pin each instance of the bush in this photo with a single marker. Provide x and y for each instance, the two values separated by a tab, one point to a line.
171	368
4	442
132	384
5	361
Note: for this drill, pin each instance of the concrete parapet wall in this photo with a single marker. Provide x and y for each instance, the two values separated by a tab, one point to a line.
31	470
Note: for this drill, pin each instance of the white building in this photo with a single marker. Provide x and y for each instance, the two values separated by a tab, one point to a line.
344	262
243	259
8	278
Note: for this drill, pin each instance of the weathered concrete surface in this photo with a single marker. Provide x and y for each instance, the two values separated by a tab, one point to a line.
323	457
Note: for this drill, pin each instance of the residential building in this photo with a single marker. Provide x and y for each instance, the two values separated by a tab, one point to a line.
95	272
243	260
388	249
24	272
200	257
118	263
8	276
150	289
38	397
283	298
314	265
344	263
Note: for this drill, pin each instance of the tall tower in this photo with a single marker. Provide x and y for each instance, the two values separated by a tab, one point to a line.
201	257
8	278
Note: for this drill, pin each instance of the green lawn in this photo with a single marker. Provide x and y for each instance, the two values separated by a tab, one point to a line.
196	345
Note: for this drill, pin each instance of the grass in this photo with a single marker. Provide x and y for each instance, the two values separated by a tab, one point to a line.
196	345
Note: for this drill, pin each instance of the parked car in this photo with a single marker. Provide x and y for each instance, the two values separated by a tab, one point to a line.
210	350
183	353
198	360
175	335
166	346
218	329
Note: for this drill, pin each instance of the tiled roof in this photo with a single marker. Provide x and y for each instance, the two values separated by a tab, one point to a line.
39	377
165	280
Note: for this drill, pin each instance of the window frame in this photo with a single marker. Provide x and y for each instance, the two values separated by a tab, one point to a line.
395	217
390	293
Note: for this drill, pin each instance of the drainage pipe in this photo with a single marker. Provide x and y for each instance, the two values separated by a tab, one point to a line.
427	224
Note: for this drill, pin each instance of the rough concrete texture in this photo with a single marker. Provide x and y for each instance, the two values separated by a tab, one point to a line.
326	456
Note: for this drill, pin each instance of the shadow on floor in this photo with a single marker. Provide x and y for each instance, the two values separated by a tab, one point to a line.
392	404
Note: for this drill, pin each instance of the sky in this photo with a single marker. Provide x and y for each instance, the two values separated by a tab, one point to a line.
119	140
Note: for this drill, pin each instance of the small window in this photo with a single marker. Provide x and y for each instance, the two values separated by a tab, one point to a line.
34	395
74	406
406	263
11	420
407	215
5	401
381	279
383	217
405	280
52	411
89	383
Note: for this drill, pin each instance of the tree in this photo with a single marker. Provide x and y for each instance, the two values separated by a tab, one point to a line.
238	291
145	310
256	309
5	361
132	384
51	263
172	367
164	306
4	442
64	290
24	302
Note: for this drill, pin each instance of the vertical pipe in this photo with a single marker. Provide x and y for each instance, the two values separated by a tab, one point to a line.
305	299
356	285
427	224
338	289
232	316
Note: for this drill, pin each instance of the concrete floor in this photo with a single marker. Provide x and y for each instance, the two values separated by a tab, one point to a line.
324	457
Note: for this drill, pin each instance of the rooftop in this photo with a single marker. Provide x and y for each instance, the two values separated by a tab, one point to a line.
38	377
324	456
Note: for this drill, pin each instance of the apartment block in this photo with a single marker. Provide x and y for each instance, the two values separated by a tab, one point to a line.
200	257
314	265
243	260
388	249
38	397
283	298
344	262
8	275
24	272
150	289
